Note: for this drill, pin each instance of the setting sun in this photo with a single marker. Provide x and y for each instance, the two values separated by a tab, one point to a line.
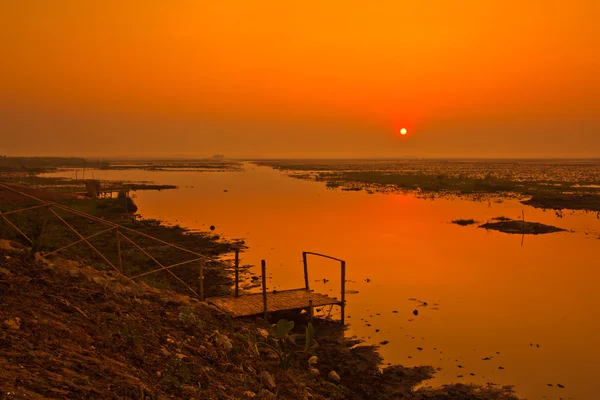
403	131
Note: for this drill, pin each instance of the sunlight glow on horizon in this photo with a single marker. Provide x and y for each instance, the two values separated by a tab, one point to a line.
246	79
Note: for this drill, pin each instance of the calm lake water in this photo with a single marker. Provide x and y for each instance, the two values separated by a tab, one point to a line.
531	307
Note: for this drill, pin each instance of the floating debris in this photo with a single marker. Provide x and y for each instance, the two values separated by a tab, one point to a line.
416	312
560	386
464	222
384	342
420	348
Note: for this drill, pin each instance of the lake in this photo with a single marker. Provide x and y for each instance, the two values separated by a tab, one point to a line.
500	308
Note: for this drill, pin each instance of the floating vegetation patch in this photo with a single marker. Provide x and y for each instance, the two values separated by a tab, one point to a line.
521	227
464	222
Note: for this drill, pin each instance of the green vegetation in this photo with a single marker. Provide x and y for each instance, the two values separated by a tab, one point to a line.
48	164
45	164
560	201
552	185
69	185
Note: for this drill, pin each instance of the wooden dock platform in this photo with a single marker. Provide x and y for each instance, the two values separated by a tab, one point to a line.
245	305
253	304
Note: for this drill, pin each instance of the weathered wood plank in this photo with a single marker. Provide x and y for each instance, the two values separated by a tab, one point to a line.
252	304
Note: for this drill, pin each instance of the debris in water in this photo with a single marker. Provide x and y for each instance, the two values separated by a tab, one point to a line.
395	312
560	386
384	342
416	312
420	348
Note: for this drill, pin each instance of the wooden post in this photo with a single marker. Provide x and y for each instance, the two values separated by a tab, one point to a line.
343	291
119	250
264	285
201	281
237	272
311	311
40	239
305	262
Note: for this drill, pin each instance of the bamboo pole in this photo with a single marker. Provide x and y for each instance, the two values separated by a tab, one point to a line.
77	242
119	250
162	266
305	262
323	255
237	272
311	311
17	229
264	285
343	291
201	281
23	209
40	240
103	221
167	267
84	239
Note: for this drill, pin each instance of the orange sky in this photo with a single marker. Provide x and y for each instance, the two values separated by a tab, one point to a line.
269	79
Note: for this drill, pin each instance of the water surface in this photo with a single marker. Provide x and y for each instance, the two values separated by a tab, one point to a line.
529	304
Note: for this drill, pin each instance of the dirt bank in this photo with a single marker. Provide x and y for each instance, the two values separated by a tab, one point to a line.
70	331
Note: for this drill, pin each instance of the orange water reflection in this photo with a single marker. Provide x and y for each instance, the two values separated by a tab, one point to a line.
494	295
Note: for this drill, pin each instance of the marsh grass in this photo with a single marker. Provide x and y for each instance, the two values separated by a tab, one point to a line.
574	186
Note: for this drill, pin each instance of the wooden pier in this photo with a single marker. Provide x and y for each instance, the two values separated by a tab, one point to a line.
251	304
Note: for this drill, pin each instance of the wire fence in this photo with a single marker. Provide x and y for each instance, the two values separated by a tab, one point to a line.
122	235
